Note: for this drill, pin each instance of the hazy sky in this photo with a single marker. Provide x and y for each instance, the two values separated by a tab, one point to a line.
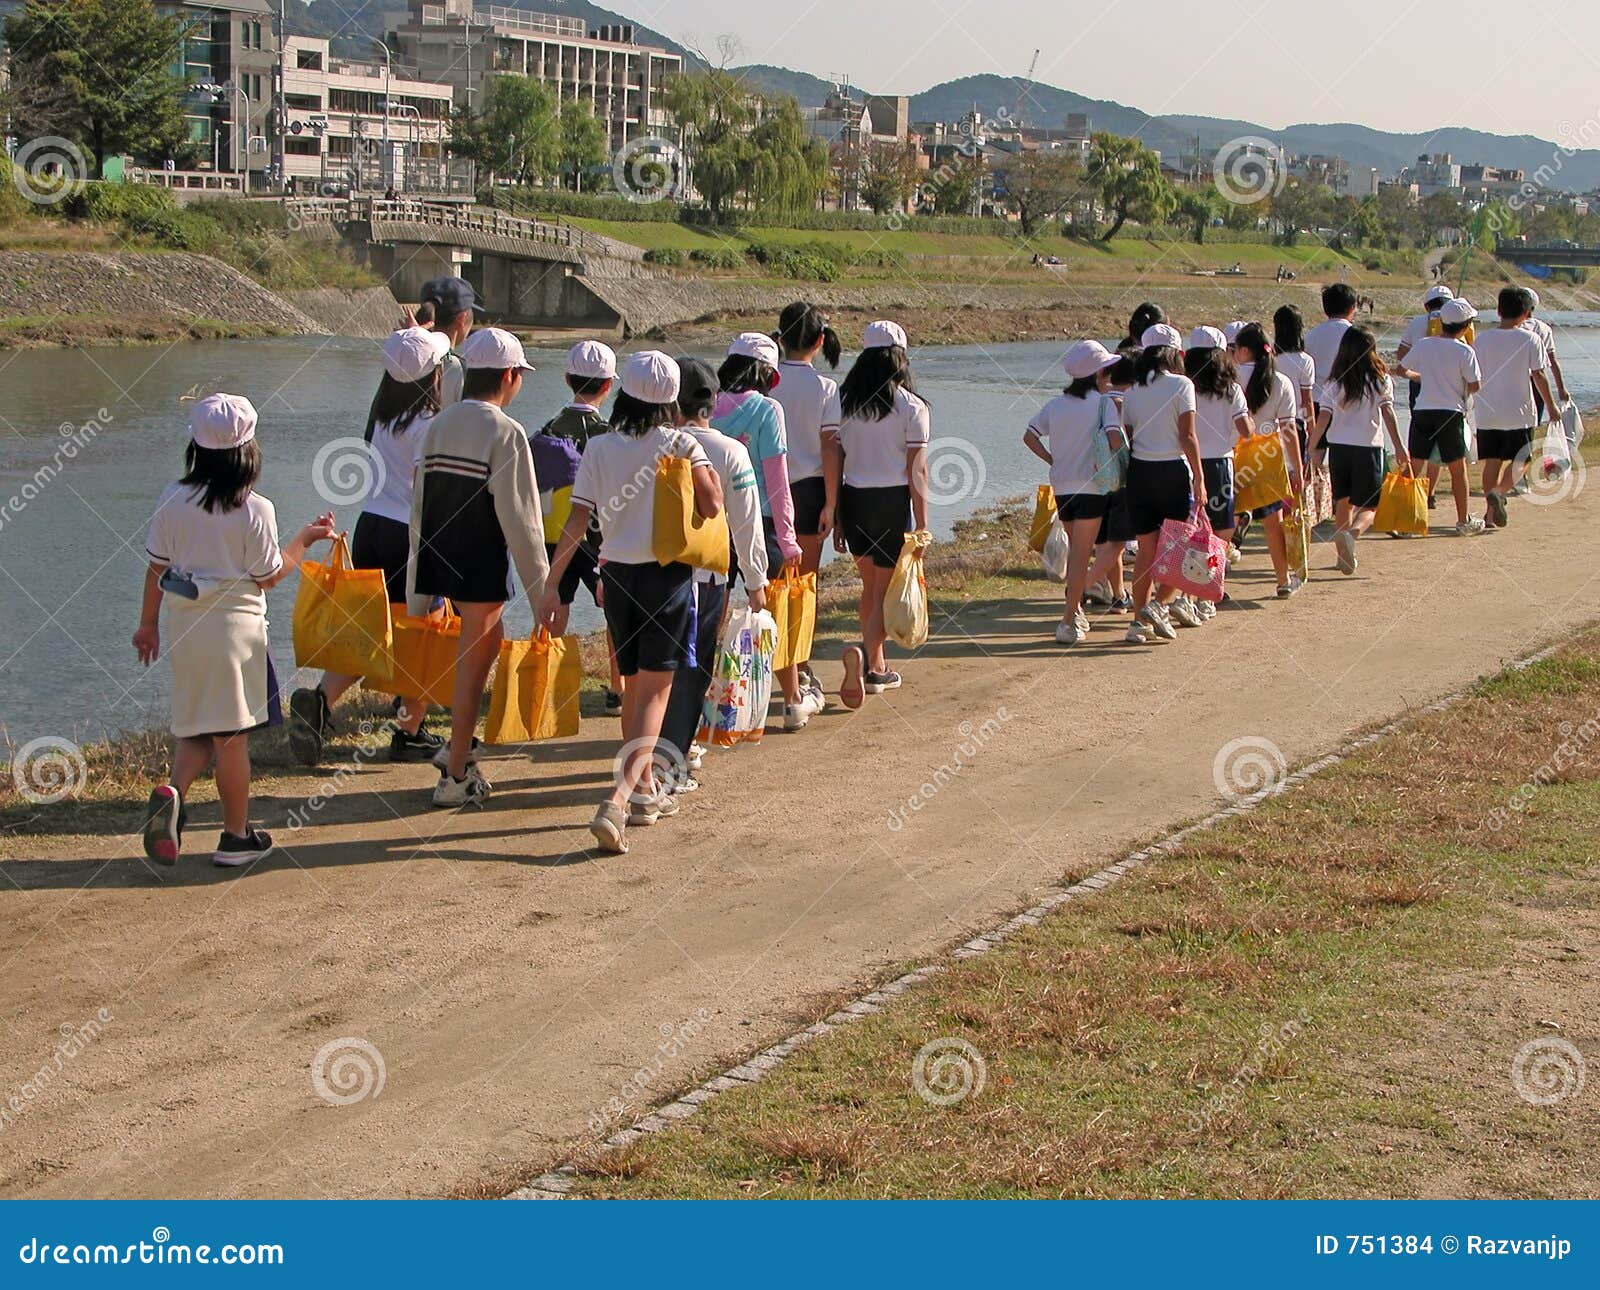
1275	62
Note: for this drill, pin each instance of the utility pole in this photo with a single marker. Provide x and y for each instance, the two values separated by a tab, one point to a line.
386	171
280	114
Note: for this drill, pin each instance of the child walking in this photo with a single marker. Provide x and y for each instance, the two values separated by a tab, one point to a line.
1447	369
1221	419
1511	359
213	548
1273	401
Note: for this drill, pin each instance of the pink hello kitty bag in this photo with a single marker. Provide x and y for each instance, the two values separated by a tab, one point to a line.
1191	557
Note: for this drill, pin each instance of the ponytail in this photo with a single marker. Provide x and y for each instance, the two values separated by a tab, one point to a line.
801	326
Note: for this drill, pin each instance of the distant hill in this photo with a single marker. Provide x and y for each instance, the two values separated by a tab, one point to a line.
803	87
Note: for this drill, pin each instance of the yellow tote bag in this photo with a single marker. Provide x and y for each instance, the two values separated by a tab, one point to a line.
1260	472
905	607
778	607
505	724
1044	514
1297	540
548	679
679	535
802	616
424	658
341	616
1403	505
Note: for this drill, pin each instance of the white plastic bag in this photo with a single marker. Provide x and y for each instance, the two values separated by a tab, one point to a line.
1572	423
741	681
1471	431
905	606
1556	455
1056	549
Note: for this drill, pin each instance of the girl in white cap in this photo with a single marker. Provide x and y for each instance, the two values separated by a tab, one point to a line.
213	549
1078	435
1446	367
1221	419
1165	479
1273	400
397	423
882	483
650	607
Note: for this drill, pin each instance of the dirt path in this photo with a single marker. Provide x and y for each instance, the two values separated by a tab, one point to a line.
514	986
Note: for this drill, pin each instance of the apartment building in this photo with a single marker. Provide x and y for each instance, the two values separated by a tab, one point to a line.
231	48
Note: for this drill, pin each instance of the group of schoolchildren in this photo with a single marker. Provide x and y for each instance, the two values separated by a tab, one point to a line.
1146	433
462	496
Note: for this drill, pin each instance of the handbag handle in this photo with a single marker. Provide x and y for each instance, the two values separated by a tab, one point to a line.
339	557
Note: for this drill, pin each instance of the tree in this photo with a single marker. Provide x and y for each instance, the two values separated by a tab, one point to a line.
1040	185
98	73
515	135
955	184
713	109
785	168
1440	211
1198	207
580	141
1128	178
888	175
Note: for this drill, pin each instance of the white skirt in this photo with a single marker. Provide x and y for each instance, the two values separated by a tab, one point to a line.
222	677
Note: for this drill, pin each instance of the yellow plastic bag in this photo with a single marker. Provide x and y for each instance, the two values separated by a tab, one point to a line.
1260	472
1044	514
778	607
504	724
1297	541
548	679
792	602
679	535
424	658
341	616
1403	505
905	607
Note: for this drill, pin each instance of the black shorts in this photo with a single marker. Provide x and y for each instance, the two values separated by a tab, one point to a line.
1438	435
650	613
1117	526
875	522
769	532
582	571
1082	506
1414	389
1505	445
382	543
1538	406
1158	491
810	496
1218	473
1356	474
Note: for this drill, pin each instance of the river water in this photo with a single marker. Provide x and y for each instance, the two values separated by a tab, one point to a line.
91	437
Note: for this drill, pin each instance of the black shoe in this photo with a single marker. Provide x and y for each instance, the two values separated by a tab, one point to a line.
878	682
309	724
1433	502
418	747
613	704
1241	528
163	825
233	851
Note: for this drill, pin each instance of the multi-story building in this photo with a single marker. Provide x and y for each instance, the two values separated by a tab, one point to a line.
230	48
455	43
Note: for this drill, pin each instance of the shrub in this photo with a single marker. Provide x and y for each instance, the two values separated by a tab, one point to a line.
719	257
556	201
668	256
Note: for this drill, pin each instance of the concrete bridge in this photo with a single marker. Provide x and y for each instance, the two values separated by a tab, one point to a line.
537	273
1554	255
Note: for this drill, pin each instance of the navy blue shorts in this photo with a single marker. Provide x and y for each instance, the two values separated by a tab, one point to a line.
650	613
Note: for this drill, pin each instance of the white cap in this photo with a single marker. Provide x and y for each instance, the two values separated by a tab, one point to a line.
1455	311
1437	295
650	376
490	348
592	361
1160	334
222	421
1535	296
413	352
757	345
1086	358
1207	338
1230	333
884	335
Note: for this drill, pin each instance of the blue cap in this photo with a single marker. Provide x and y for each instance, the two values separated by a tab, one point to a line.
452	295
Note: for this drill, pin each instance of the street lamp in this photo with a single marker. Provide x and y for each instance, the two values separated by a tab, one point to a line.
388	73
233	87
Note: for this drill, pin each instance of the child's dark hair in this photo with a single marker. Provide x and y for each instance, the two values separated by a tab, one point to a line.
1143	318
741	374
1288	330
800	326
1338	299
398	403
1081	387
633	417
868	391
482	382
694	409
1212	372
1125	371
1455	330
1263	369
1514	302
423	314
224	476
587	387
1154	360
1358	370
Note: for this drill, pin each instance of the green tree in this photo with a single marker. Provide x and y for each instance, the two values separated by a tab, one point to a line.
889	174
1197	207
714	110
784	167
1127	176
1040	185
515	134
1441	211
98	73
953	187
580	141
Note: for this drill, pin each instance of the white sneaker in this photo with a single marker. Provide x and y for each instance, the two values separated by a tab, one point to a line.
474	790
441	759
795	716
1099	594
1069	633
1155	619
1206	609
1139	633
1181	610
610	829
1344	545
814	700
661	807
1469	527
697	756
1081	620
1234	556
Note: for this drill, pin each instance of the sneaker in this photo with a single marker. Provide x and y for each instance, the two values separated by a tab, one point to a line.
233	851
663	806
1207	609
1122	605
609	828
1521	488
1234	555
697	756
1344	544
1081	620
309	725
1433	502
814	691
613	704
1099	594
163	824
441	759
1497	509
685	783
1156	621
814	701
1139	633
852	690
418	747
1240	528
1069	633
1469	527
1181	610
472	791
795	716
1285	591
878	682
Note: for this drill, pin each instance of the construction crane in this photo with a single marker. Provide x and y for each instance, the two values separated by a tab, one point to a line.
1023	88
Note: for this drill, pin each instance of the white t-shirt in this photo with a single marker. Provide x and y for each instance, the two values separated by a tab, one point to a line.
1068	426
1214	422
1283	399
741	502
1416	329
875	451
1322	344
1150	413
1301	369
218	545
395	458
617	480
1547	339
1447	366
810	404
1508	357
1360	425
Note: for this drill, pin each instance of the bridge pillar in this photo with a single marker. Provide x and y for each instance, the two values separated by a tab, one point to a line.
544	294
412	264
